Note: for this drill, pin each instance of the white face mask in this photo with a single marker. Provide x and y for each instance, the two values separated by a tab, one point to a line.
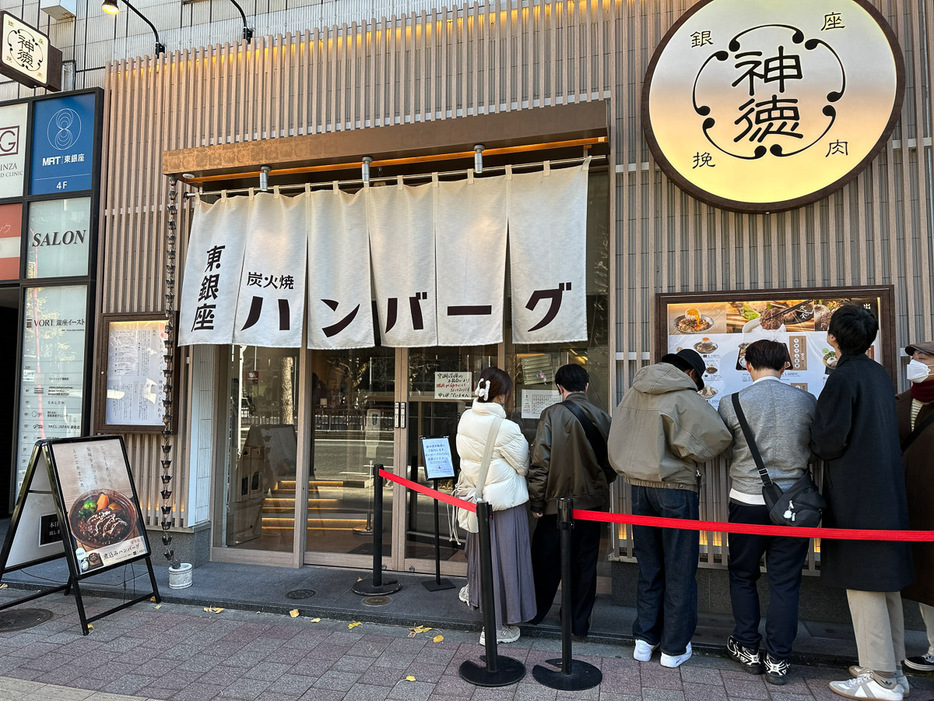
917	371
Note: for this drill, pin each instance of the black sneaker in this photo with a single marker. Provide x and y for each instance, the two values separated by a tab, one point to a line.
776	671
922	663
748	659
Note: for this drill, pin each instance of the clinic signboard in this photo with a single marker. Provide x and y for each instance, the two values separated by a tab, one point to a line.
766	106
13	149
63	131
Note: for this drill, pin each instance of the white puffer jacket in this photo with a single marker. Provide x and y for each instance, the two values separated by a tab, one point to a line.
505	485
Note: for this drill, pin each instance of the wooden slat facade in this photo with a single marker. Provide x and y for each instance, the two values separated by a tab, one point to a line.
430	63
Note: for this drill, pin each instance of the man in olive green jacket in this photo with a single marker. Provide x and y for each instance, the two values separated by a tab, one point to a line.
662	431
564	464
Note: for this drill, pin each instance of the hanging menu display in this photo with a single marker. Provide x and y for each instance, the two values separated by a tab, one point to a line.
52	378
721	326
136	366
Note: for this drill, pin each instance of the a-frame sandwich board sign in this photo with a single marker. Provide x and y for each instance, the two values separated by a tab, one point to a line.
78	501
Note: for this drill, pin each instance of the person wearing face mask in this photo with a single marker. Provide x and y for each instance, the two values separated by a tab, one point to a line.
916	431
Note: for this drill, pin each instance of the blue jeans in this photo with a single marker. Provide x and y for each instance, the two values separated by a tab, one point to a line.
784	560
666	593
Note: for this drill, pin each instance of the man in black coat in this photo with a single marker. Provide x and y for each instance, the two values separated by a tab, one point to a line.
856	431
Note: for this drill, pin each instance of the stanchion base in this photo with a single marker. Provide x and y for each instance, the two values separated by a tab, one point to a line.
509	672
365	587
438	584
583	676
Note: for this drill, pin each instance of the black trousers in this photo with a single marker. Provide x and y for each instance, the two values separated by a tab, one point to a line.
784	559
546	565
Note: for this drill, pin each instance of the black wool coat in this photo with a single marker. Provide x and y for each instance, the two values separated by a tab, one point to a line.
919	480
856	431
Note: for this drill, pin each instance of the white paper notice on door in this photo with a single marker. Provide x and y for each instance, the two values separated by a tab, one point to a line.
535	401
453	385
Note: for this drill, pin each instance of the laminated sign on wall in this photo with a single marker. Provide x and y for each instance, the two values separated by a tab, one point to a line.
436	254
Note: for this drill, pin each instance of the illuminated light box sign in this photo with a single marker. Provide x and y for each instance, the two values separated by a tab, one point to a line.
27	56
62	145
768	106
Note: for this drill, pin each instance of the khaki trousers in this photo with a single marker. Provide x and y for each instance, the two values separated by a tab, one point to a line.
927	615
880	628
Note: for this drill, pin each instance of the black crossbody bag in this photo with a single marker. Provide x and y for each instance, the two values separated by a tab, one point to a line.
801	505
597	442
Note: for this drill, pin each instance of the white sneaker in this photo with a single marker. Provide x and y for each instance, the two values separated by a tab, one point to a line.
506	634
643	651
673	661
867	686
900	678
465	594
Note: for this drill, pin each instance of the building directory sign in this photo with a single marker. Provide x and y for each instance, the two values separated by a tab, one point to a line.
721	326
51	397
13	149
63	144
764	106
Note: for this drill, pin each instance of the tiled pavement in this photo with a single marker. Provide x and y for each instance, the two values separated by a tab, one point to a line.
180	651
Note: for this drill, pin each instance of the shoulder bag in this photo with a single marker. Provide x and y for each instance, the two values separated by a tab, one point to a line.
468	519
801	505
597	442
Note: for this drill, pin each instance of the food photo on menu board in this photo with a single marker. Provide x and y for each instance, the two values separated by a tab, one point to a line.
721	332
97	495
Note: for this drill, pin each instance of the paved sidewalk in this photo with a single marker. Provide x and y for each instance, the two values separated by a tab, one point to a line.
182	652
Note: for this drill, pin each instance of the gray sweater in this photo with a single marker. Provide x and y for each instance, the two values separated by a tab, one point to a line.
780	417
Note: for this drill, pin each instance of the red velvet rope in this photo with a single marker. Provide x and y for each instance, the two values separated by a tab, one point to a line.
691	525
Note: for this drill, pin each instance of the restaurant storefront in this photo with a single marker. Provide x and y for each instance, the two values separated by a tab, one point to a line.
271	445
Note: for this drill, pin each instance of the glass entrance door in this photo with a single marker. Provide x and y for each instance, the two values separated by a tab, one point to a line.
352	403
439	390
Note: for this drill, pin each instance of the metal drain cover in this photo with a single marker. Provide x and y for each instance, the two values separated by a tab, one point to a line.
301	594
376	600
21	619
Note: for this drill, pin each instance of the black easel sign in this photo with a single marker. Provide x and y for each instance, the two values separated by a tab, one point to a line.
438	466
88	483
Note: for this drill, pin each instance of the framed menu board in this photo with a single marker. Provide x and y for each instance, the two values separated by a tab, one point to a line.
130	397
721	325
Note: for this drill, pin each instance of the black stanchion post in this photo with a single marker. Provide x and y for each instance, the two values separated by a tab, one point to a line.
499	671
574	675
437	584
369	586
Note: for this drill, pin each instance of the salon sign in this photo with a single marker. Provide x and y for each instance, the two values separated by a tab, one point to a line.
759	105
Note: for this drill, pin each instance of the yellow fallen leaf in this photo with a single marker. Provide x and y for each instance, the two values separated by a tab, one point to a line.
416	630
157	606
410	678
152	599
354	624
213	609
315	620
438	639
2	586
359	579
90	627
294	613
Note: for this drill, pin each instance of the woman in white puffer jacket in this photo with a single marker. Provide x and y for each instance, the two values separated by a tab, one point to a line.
506	490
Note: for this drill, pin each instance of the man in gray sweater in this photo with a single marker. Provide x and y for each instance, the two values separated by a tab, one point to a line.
780	419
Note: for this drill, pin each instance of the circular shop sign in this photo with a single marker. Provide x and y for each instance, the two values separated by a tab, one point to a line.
757	106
